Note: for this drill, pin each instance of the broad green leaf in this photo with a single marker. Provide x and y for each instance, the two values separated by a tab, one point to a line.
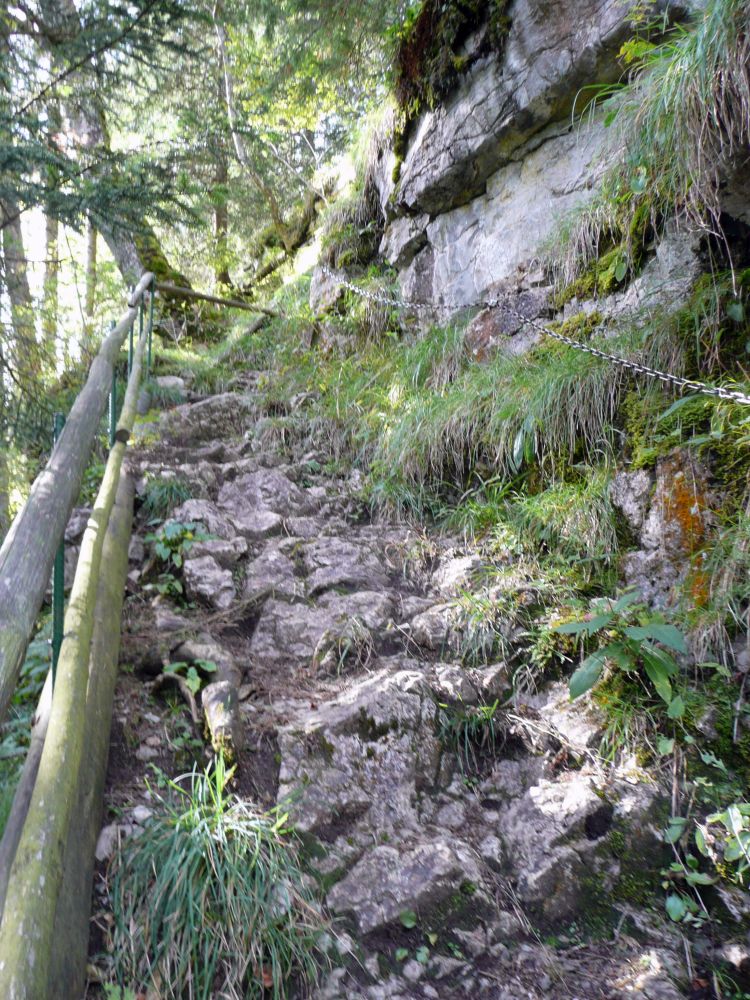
658	677
666	659
676	406
408	919
676	708
401	954
590	627
207	666
621	270
621	653
713	761
667	635
700	841
664	746
733	850
699	878
571	628
675	829
676	907
192	680
422	954
626	599
432	938
587	675
736	311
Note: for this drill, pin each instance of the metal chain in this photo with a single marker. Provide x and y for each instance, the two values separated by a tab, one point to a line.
717	391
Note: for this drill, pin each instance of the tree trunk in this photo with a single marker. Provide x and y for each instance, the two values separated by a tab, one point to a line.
4	487
134	252
91	235
221	219
52	234
17	285
51	269
238	140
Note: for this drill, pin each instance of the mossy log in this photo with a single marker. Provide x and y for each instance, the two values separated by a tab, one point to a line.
28	552
27	930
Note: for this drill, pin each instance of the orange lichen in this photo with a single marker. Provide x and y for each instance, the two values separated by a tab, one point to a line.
685	509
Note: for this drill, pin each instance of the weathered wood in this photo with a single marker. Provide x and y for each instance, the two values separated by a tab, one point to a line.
28	923
189	293
104	649
71	934
24	789
28	551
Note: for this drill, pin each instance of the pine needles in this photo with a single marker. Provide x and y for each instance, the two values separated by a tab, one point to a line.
210	900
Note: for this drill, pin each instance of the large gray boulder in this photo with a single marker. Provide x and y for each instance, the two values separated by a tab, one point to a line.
389	881
337	562
288	635
207	581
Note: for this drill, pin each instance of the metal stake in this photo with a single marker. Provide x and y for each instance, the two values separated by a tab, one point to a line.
113	401
150	322
58	578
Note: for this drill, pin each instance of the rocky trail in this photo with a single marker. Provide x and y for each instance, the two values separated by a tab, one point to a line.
468	844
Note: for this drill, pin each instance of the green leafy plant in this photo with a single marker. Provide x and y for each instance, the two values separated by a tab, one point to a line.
193	678
170	546
212	892
631	640
724	838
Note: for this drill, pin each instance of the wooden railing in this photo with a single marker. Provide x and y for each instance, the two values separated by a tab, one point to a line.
28	551
47	849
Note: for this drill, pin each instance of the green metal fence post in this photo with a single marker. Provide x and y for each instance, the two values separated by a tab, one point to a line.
140	320
113	401
150	322
130	340
58	578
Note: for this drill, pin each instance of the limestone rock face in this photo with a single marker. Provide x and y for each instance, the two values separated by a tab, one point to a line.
674	530
489	172
206	580
474	246
403	239
552	50
336	562
288	634
388	881
325	290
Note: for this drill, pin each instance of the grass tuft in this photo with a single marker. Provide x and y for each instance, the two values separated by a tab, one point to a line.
210	900
679	127
163	496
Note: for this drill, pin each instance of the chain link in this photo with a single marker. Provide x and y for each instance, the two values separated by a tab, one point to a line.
683	384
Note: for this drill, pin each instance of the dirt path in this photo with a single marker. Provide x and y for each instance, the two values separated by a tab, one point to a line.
337	645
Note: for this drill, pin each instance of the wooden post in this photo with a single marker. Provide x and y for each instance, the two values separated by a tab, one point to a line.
71	934
28	551
28	923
